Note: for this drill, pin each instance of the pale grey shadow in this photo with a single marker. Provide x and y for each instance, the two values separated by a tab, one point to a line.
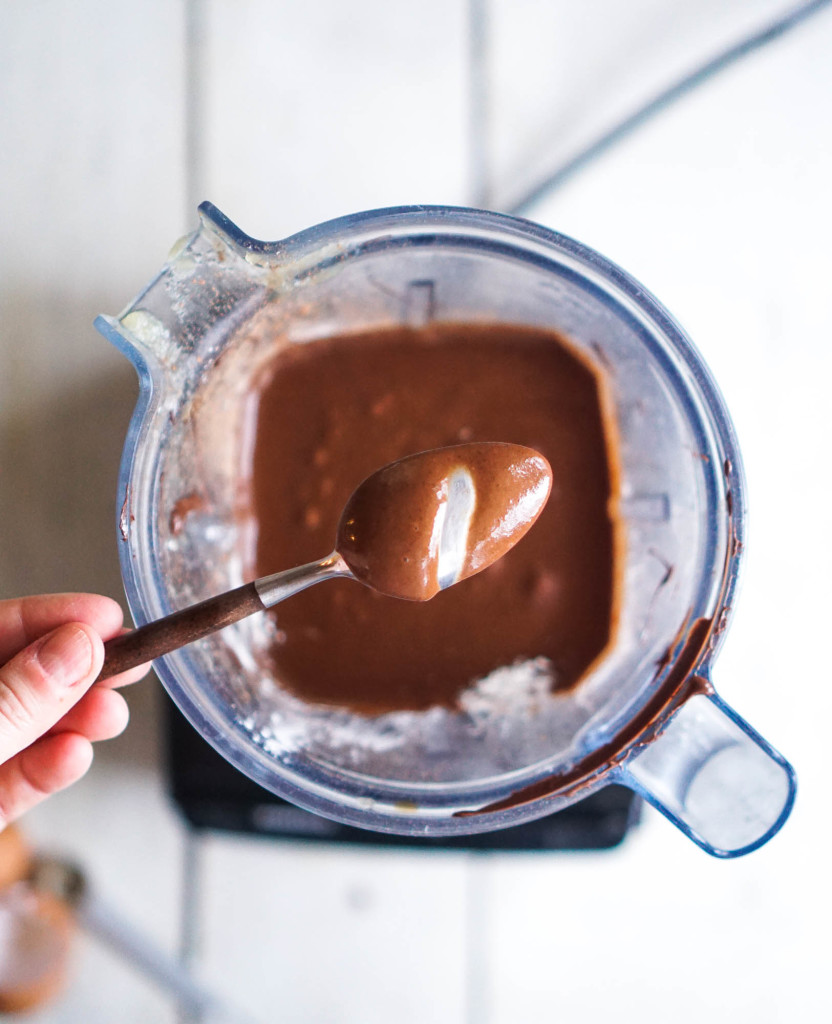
59	462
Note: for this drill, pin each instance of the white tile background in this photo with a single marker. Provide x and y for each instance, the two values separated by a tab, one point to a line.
115	120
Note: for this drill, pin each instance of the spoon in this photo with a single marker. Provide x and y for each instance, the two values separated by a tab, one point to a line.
411	529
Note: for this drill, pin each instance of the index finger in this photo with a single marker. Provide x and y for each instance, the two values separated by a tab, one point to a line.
25	619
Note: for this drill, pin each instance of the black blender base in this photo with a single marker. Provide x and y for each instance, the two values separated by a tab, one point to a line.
211	794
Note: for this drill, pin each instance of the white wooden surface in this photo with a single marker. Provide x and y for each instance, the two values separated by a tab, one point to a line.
92	173
297	112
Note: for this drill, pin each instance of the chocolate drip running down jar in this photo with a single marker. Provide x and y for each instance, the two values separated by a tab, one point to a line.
424	327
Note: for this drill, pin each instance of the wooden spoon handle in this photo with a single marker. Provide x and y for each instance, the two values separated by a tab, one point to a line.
174	631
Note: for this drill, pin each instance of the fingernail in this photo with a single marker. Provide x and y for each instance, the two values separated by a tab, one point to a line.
66	655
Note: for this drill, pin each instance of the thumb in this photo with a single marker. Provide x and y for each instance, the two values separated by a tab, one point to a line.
41	683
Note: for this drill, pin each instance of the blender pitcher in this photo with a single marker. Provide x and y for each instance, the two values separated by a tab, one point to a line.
645	716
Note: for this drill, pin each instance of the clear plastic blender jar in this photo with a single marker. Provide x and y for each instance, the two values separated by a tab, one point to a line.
646	716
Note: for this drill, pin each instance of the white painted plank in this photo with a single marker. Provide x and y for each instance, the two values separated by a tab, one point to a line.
655	928
312	112
317	934
91	166
722	209
316	110
92	177
563	73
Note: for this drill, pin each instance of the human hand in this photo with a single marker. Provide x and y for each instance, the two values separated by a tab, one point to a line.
51	650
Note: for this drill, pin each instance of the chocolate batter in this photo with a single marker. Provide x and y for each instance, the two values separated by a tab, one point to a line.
332	411
430	520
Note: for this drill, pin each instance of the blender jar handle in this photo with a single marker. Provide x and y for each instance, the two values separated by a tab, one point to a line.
714	777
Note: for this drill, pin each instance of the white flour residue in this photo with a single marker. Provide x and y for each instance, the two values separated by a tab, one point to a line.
494	714
519	689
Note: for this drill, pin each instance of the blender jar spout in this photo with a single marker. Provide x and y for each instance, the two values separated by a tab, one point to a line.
207	286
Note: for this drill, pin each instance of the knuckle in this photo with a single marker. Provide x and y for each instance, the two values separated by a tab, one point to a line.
21	791
18	702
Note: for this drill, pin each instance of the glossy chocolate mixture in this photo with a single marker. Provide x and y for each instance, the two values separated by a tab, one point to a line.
333	411
430	520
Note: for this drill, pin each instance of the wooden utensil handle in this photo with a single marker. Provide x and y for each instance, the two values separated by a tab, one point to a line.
174	631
